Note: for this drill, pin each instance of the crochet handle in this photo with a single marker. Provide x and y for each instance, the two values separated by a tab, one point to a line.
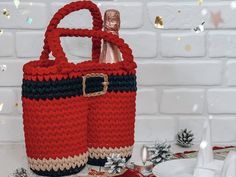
67	9
59	54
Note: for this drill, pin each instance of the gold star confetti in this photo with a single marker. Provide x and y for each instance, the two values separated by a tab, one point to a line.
216	18
159	22
188	47
199	28
3	68
1	32
17	3
6	13
200	2
29	20
1	106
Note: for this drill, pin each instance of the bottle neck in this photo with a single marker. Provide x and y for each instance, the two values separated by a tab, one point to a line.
112	31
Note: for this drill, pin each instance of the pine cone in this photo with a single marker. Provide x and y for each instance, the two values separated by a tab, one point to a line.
115	164
185	138
159	152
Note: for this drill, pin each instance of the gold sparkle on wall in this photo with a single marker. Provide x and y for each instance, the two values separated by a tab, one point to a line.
6	13
159	23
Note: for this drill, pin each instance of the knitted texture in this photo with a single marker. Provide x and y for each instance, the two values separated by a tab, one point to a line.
63	123
55	121
111	116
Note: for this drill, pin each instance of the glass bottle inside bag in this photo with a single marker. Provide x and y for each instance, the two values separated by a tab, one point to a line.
111	53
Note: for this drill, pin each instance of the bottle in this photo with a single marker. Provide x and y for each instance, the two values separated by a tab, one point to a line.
111	53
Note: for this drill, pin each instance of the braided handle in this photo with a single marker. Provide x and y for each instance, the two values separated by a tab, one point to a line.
59	54
64	11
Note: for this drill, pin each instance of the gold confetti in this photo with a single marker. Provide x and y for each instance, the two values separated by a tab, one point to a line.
16	104
159	22
29	20
3	68
17	3
1	106
200	2
188	47
199	28
6	13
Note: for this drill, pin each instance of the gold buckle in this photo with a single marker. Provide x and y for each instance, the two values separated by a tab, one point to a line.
105	84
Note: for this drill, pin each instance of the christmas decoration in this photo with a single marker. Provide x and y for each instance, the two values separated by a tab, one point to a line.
144	154
185	138
220	153
159	152
133	173
216	18
29	20
200	28
17	3
159	23
21	172
3	68
6	13
95	173
115	164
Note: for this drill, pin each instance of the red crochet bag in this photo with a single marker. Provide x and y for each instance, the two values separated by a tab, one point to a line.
110	90
74	110
55	111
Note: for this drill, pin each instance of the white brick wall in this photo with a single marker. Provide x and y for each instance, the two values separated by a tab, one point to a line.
183	77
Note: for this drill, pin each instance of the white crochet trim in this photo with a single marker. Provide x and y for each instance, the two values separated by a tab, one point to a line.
102	153
56	164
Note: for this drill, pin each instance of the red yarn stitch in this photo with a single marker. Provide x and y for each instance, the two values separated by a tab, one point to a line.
111	120
55	128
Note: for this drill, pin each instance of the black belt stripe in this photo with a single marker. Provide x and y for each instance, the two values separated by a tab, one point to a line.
73	87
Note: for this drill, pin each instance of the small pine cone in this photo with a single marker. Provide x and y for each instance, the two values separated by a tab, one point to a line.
185	138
